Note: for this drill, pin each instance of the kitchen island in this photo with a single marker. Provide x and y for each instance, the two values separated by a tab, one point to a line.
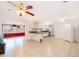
38	34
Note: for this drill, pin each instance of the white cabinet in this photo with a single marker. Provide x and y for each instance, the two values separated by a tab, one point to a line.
36	36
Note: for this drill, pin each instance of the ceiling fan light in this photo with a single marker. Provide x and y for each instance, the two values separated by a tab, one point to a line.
19	8
21	13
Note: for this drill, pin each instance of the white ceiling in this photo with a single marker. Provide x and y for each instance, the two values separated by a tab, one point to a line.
44	11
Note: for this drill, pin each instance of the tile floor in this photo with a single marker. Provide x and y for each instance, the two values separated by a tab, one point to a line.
49	47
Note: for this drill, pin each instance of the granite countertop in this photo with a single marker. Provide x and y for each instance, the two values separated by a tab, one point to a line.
33	32
37	30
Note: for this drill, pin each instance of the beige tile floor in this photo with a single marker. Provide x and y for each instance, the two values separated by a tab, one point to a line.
49	47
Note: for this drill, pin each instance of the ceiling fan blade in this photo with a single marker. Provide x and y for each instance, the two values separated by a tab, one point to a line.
12	3
30	13
29	7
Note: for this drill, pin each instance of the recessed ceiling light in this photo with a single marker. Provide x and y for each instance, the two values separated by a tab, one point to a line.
67	25
62	19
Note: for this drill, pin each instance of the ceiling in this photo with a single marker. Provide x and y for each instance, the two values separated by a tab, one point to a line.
44	11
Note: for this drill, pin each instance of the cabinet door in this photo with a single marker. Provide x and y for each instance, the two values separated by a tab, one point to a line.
35	37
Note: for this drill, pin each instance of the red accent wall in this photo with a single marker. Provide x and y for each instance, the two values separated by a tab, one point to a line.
7	35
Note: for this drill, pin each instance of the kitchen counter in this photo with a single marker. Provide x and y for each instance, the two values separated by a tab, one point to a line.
38	36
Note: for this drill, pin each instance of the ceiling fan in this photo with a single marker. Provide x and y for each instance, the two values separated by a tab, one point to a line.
21	8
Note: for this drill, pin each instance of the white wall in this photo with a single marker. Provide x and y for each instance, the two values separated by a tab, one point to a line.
64	31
